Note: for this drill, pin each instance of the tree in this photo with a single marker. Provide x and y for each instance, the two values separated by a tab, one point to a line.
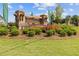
51	16
31	14
59	11
68	20
75	20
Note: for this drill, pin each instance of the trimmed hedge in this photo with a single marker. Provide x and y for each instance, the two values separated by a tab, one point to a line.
14	31
50	32
25	31
62	33
69	30
30	33
3	30
38	31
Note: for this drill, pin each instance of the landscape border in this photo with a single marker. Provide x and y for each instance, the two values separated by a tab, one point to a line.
39	1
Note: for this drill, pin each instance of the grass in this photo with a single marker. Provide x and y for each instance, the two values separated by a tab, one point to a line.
37	47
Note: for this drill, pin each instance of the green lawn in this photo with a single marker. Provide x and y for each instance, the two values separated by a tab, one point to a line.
34	47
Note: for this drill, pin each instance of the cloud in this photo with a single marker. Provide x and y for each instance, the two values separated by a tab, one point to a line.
65	9
41	9
43	6
76	3
9	6
71	4
36	5
21	6
71	10
48	4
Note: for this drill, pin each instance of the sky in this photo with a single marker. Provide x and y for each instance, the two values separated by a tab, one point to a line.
39	8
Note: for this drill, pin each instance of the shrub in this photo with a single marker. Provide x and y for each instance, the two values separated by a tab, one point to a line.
74	32
31	33
68	29
58	31
2	25
14	31
50	32
53	31
3	31
13	27
44	31
62	33
25	30
69	33
38	31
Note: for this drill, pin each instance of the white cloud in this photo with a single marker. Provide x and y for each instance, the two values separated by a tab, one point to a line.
71	4
48	4
43	6
21	6
76	3
9	6
41	9
36	5
71	10
64	9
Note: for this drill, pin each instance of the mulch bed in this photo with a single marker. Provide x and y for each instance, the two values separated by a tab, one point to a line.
42	36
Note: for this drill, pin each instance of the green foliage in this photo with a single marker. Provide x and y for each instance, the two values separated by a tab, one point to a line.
26	30
11	24
58	31
69	30
14	31
44	30
62	33
57	19
74	32
51	16
3	31
75	20
58	14
31	33
38	31
50	32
